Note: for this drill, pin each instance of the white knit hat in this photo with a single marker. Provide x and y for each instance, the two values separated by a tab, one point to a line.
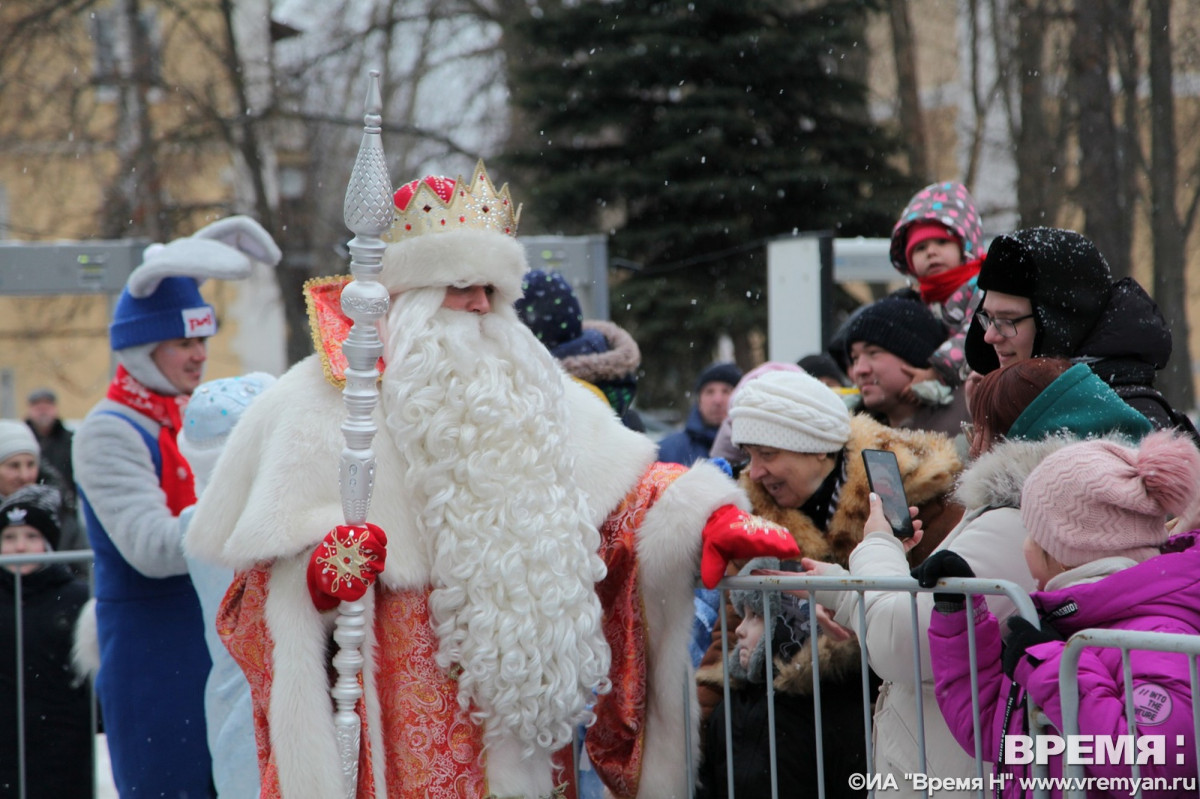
792	411
16	437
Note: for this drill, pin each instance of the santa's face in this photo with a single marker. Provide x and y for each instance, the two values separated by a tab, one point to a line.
472	299
475	405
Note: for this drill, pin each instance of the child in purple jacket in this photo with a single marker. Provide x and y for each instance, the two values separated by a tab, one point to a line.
1098	547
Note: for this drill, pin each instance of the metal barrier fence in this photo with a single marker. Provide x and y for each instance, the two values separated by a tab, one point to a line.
83	557
1126	641
860	586
983	784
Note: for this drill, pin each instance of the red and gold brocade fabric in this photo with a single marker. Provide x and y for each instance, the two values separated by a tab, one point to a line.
328	326
242	625
615	743
431	750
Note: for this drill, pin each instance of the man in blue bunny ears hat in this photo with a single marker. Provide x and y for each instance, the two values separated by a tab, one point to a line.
134	483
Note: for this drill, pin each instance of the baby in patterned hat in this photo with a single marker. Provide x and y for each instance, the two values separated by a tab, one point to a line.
937	242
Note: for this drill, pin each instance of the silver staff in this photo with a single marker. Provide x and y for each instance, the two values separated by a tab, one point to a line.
368	213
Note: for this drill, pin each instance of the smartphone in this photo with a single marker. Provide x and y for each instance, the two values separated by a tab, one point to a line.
883	473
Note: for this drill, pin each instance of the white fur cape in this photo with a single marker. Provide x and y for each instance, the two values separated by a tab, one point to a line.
274	495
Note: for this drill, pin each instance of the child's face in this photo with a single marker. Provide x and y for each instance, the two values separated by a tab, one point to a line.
748	634
933	255
1041	566
22	539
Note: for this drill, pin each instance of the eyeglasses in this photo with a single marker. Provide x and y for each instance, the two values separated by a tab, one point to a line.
968	430
1005	327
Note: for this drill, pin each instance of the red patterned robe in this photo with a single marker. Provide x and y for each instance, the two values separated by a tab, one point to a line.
277	500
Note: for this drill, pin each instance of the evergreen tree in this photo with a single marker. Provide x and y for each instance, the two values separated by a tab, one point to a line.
692	132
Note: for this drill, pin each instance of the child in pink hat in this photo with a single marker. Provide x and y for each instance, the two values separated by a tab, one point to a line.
1100	552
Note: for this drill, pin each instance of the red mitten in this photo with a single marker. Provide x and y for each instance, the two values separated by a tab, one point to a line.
344	565
733	534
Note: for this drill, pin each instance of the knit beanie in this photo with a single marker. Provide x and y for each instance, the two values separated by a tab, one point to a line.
1081	403
719	373
551	310
921	231
821	365
174	310
214	408
792	411
15	438
903	327
763	603
1099	498
161	299
947	203
37	506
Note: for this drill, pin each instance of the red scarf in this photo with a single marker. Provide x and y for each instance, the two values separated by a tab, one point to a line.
176	480
939	287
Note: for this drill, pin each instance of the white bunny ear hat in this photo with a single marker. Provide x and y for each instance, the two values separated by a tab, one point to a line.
162	301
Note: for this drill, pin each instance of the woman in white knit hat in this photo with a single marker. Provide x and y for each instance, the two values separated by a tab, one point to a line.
806	473
21	464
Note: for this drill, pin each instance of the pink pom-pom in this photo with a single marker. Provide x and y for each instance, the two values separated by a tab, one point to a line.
1169	465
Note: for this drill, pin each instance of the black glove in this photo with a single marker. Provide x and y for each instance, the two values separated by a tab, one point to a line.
1022	635
943	563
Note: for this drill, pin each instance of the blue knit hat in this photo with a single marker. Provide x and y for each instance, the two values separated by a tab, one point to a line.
162	301
550	309
174	310
720	372
216	406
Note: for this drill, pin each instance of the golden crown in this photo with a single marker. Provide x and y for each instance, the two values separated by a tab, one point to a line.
435	205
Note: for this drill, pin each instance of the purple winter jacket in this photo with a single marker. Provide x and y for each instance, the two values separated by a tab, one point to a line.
1161	595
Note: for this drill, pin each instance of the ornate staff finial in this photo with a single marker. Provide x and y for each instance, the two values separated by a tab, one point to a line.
368	213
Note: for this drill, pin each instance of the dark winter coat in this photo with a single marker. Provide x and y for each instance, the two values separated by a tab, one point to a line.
1081	314
56	450
795	732
58	725
689	444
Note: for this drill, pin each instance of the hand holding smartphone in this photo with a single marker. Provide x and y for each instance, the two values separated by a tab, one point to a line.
883	473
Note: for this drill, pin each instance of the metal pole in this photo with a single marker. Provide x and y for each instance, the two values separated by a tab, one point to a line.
368	212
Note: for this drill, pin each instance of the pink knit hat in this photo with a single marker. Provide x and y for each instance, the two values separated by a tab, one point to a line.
1096	499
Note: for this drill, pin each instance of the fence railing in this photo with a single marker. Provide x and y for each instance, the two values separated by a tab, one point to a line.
984	783
860	587
1127	641
17	649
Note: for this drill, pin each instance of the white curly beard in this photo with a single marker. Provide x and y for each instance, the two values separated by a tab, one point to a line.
475	404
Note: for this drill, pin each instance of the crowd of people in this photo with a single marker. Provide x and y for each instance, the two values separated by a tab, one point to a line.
534	569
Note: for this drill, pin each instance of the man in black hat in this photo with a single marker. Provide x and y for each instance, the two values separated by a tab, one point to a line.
885	344
1049	292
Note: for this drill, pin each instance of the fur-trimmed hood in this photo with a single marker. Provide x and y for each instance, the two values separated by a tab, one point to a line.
929	465
995	478
622	357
